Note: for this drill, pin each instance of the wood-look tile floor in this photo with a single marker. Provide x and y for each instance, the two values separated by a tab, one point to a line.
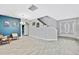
32	46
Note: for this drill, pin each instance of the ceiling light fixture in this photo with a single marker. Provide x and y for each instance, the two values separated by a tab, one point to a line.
33	8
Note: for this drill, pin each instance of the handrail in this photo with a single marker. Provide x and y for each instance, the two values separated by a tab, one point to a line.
42	21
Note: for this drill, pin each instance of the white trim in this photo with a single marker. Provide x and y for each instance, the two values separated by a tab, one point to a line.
68	35
43	38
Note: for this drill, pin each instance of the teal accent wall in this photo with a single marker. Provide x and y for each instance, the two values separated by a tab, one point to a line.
9	25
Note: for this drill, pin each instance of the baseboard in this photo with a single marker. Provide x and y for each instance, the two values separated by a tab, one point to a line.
74	37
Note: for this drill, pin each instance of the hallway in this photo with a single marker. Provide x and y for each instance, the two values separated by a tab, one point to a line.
32	46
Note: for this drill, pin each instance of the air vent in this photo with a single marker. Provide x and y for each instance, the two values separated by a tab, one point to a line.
33	8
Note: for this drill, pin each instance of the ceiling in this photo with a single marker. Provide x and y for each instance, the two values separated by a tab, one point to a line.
57	11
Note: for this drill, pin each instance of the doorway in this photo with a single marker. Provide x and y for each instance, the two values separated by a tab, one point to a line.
22	29
25	29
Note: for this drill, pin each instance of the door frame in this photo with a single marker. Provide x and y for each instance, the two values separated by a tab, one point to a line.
26	24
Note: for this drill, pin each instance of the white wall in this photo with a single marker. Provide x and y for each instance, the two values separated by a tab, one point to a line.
49	21
70	30
43	32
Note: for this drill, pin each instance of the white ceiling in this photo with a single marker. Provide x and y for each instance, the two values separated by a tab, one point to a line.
57	11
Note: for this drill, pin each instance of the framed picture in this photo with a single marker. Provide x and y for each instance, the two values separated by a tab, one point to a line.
13	23
6	23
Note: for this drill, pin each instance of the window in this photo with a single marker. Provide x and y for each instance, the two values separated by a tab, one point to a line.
33	23
37	25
